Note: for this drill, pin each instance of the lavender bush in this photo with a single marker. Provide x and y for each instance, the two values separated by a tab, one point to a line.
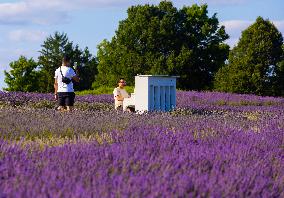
212	145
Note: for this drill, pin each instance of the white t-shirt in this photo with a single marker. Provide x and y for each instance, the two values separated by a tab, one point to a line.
120	92
67	72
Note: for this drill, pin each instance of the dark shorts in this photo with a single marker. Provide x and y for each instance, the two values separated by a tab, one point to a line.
66	98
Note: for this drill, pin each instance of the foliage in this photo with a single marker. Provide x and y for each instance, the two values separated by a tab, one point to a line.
53	49
255	63
164	40
87	67
279	78
23	75
50	59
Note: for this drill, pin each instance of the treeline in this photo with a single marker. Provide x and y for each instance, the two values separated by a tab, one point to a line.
161	39
28	75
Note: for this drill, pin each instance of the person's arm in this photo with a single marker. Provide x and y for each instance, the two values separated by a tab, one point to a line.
76	77
117	94
119	97
55	88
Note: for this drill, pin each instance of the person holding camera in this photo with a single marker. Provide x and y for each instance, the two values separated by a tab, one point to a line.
63	85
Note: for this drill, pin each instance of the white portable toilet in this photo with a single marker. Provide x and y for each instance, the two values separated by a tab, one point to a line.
153	93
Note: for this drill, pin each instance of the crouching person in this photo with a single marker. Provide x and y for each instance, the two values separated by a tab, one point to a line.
63	85
119	93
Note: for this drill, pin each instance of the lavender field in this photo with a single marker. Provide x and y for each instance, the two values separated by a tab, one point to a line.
212	145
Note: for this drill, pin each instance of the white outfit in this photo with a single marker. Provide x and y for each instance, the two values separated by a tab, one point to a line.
119	92
67	72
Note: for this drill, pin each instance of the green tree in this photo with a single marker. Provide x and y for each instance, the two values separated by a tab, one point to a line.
278	85
22	76
254	65
164	40
53	49
87	67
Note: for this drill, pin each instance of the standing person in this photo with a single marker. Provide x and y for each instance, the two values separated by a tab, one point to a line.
119	93
63	85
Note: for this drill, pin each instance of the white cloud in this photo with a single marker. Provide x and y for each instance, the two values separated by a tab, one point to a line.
52	11
33	12
36	12
97	3
235	27
279	25
8	8
57	11
12	12
26	35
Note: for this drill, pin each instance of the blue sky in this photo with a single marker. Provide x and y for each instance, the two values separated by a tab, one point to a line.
25	24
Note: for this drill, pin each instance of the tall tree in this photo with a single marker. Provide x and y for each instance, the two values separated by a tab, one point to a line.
255	63
164	40
50	59
87	67
53	49
22	76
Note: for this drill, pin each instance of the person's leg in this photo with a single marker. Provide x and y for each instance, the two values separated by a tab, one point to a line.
69	101
118	105
61	101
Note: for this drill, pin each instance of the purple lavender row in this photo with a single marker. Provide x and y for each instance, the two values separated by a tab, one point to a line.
22	98
213	97
17	122
184	99
227	101
150	162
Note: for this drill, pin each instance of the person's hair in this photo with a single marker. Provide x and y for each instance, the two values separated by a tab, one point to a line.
66	58
120	80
